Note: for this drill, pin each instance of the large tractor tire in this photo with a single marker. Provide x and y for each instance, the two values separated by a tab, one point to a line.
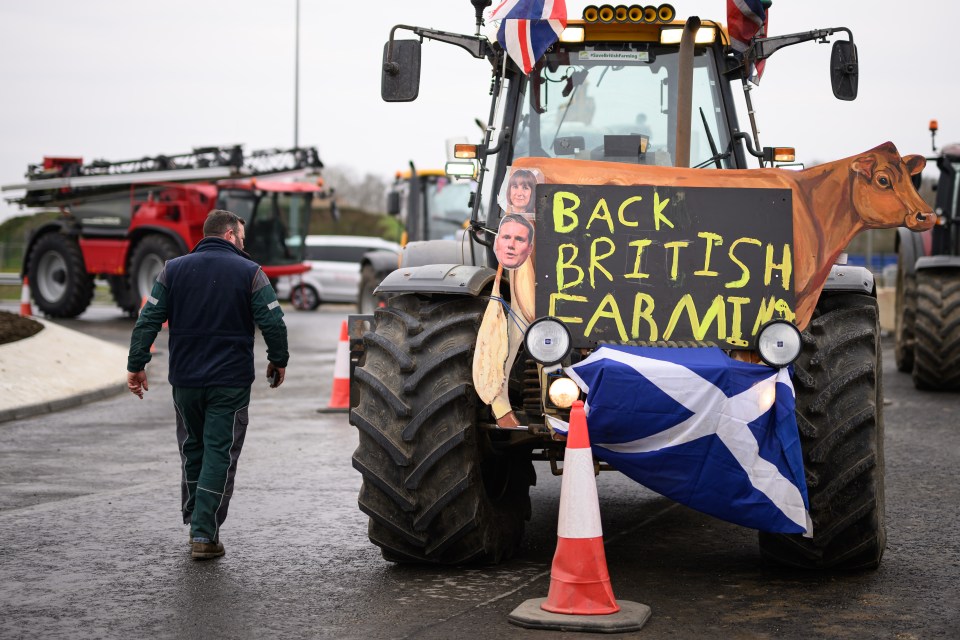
59	282
936	364
367	303
146	262
905	312
124	295
839	396
435	486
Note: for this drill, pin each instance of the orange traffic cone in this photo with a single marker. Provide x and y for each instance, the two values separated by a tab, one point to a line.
580	596
340	393
25	310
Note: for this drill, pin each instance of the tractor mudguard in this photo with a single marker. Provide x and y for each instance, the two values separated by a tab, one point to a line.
438	278
382	261
850	278
427	252
937	262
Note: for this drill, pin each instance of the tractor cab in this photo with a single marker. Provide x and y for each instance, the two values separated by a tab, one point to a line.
590	98
277	216
429	204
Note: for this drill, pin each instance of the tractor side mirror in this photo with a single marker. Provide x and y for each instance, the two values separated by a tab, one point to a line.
400	81
844	70
393	203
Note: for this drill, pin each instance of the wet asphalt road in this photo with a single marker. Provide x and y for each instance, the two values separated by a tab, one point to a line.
91	543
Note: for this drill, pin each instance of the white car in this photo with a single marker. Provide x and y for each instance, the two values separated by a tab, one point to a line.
334	274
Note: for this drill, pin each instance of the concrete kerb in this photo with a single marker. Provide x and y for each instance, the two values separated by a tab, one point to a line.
30	410
55	369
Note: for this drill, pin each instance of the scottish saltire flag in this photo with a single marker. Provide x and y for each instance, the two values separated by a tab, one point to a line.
528	27
746	19
710	432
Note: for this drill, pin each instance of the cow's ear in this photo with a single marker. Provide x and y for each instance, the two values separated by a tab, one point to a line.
864	166
915	163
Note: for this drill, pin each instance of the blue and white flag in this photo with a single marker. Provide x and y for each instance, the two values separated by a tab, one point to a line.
528	28
710	432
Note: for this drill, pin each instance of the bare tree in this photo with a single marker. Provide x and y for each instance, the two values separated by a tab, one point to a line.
368	193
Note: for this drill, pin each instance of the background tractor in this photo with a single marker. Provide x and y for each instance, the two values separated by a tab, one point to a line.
927	321
122	220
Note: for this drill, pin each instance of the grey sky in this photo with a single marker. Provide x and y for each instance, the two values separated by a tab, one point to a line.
119	80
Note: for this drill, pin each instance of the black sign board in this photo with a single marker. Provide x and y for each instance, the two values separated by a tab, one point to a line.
645	264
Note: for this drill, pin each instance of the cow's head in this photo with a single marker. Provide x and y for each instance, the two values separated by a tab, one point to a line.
884	195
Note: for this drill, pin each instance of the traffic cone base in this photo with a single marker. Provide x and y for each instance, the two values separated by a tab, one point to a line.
531	615
340	393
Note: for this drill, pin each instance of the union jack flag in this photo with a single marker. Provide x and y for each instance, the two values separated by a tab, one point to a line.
746	19
528	28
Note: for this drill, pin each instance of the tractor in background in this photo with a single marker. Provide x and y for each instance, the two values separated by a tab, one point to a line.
122	220
927	309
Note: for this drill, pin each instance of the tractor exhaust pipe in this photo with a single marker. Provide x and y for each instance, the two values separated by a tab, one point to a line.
685	91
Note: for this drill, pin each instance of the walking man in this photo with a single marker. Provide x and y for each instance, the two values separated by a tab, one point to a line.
212	299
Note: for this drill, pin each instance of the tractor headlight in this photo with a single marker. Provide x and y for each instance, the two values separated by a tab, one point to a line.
547	341
563	392
779	343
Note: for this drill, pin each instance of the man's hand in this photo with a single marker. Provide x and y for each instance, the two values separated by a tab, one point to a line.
137	383
280	371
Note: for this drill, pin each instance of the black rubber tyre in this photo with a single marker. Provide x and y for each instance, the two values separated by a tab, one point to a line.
304	297
59	282
369	280
123	295
840	415
936	363
905	311
146	262
435	486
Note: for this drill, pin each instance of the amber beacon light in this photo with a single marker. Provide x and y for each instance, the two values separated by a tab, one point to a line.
634	13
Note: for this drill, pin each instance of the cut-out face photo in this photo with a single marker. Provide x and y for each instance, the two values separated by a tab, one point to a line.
518	191
514	241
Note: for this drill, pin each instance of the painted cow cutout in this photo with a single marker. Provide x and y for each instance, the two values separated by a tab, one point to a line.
832	202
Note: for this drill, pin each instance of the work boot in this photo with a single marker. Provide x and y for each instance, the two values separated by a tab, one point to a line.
206	550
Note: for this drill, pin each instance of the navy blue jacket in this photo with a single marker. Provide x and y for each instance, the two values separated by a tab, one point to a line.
212	298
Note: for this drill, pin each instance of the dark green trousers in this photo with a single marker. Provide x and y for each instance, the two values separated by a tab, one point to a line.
211	426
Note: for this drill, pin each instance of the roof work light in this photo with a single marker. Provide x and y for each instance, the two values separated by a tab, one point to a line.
705	35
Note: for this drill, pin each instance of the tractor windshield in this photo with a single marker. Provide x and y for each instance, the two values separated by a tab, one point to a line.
617	102
448	206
